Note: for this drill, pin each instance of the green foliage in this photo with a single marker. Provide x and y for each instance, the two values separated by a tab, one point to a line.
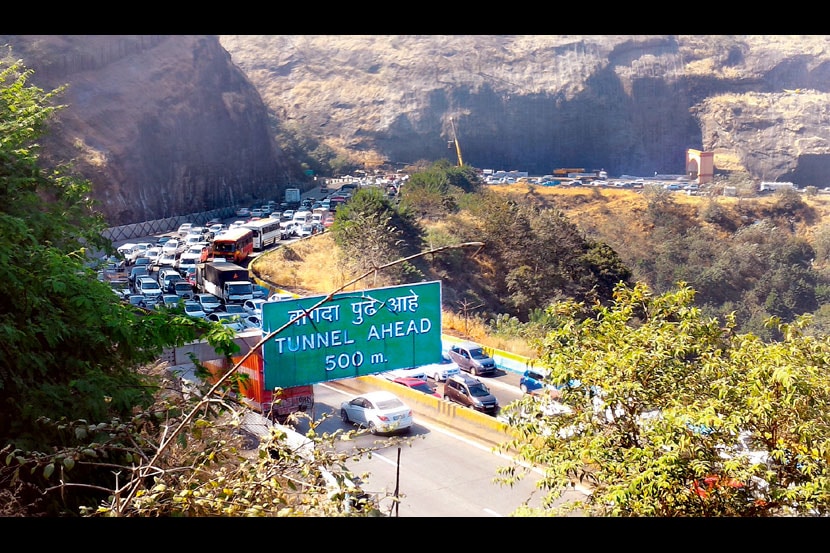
434	191
70	349
371	232
663	398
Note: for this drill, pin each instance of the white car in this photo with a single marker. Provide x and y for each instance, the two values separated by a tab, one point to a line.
209	302
252	322
379	411
243	212
234	322
153	254
253	307
184	228
171	246
169	259
194	309
416	372
440	371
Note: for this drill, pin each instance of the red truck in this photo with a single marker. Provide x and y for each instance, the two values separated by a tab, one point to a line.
274	405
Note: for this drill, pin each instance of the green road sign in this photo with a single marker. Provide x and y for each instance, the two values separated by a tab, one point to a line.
353	334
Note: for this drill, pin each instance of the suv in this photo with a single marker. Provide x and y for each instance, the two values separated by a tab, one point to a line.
470	392
150	289
470	357
168	278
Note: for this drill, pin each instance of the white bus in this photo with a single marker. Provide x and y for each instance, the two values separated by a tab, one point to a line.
266	232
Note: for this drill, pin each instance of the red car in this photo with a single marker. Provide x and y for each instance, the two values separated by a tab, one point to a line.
417	384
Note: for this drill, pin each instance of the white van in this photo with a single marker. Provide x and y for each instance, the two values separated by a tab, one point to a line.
302	217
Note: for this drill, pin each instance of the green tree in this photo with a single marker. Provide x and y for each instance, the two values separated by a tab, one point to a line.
371	231
675	414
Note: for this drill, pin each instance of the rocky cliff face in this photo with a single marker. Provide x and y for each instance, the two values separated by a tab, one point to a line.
162	125
628	104
170	125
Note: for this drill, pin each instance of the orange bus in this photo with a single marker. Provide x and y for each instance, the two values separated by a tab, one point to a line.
234	245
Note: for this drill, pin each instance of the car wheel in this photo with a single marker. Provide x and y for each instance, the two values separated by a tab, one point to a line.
372	428
344	416
474	371
523	388
446	397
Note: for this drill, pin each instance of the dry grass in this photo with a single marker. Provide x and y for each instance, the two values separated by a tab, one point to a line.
311	266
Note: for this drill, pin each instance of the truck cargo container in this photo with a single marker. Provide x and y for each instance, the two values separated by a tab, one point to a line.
227	281
276	404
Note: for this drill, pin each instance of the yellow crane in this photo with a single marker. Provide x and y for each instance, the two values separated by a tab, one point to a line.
455	139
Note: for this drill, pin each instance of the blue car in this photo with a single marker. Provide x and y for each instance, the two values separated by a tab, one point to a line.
533	382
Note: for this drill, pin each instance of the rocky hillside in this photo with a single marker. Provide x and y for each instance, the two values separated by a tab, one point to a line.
162	125
170	125
629	104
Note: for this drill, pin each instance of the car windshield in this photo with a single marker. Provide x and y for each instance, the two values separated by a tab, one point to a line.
422	387
478	353
479	390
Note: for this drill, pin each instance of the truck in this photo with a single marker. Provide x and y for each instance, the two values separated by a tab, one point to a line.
292	196
225	280
250	389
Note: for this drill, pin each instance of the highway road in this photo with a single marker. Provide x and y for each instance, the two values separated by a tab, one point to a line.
436	471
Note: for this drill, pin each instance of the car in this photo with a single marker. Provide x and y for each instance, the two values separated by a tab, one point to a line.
257	212
195	254
253	307
532	381
137	300
142	260
252	321
121	287
234	322
471	392
209	302
281	296
192	239
381	412
440	371
471	358
415	372
168	278
235	309
215	228
417	384
171	246
169	259
128	251
136	272
114	264
168	300
153	254
162	240
184	228
194	309
243	212
149	288
183	289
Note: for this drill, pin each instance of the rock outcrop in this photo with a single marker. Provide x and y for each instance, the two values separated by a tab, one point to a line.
629	104
161	125
170	125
